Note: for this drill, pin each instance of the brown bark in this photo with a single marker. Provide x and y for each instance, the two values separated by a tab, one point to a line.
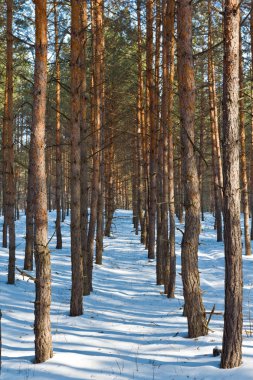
194	307
42	326
76	303
232	334
151	129
8	150
84	145
100	204
244	177
180	192
172	253
159	149
58	133
29	243
97	12
110	203
163	255
140	132
100	224
214	132
202	148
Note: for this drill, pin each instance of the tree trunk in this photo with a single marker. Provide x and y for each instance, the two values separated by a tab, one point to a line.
152	131
97	13
76	303
100	204
194	307
232	334
29	243
214	132
8	154
140	131
84	143
202	147
159	148
42	326
172	238
58	179
244	178
164	252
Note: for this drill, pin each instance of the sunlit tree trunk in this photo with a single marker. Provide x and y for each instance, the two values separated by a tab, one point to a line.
140	132
214	132
58	132
151	129
100	205
159	149
202	147
172	254
232	334
76	303
96	139
42	326
163	256
244	177
194	308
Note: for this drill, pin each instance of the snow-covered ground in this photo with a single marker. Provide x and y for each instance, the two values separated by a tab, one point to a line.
129	329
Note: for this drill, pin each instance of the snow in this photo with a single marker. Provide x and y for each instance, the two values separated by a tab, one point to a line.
129	329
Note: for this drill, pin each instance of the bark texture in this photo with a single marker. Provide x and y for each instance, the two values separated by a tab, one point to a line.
152	130
42	326
76	302
194	307
232	334
84	146
8	150
216	155
97	16
243	161
58	133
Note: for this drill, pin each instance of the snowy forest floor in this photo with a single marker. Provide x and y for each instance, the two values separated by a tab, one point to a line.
129	329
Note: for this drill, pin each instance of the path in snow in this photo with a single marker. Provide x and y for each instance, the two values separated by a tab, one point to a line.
129	329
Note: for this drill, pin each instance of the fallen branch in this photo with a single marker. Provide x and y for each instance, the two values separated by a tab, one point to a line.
24	274
211	314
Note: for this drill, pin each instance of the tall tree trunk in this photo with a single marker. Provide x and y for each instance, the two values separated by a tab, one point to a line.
58	154
76	303
194	307
8	154
232	334
202	147
214	132
152	131
140	131
97	52
84	143
110	203
29	242
172	238
244	177
100	204
42	326
164	252
159	149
